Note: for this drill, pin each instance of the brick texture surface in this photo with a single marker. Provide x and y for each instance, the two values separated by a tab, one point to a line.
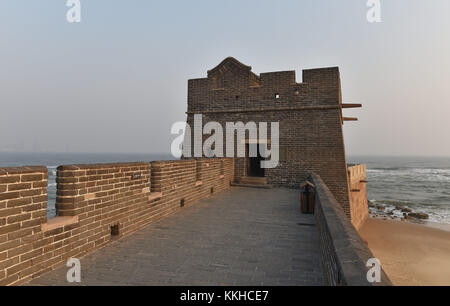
359	208
91	200
343	253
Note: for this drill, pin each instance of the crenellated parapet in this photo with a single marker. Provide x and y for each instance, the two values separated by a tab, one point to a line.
233	86
95	204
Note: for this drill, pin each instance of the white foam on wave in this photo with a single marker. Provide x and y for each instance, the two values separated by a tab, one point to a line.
423	174
436	214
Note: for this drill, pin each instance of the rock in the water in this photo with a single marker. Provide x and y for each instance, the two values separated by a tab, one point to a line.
399	207
371	204
406	210
421	216
379	207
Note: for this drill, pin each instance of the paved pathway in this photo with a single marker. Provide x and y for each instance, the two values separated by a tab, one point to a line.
241	236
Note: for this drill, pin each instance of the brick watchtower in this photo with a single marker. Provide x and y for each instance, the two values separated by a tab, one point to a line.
309	115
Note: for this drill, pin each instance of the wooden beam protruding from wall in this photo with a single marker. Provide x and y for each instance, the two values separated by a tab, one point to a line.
351	105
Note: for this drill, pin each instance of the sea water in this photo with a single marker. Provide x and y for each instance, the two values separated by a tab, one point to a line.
419	183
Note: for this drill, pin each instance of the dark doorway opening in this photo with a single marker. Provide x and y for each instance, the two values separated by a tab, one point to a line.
115	232
254	163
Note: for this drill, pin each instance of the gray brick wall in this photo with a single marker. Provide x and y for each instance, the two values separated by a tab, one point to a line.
343	253
308	113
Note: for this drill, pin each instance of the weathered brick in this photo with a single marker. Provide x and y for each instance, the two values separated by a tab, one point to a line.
32	177
3	238
31	254
40	184
30	192
18	202
38	199
20	233
19	267
31	223
19	186
9	179
19	250
10	211
32	207
8	263
9	280
9	228
9	195
19	218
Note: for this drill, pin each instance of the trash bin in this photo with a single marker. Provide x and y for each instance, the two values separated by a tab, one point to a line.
307	198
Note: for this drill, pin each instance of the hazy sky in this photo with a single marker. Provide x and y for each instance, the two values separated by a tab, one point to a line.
118	80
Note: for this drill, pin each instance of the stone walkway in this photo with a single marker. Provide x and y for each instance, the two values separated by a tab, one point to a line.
241	236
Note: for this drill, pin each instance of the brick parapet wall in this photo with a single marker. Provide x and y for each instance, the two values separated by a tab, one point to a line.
91	200
343	253
359	208
83	188
23	208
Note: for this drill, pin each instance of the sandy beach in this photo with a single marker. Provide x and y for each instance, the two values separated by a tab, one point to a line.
411	254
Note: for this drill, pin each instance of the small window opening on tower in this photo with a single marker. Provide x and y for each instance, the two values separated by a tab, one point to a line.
198	174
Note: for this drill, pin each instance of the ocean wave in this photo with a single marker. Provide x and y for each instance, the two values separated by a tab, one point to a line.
424	170
394	202
411	174
389	168
437	207
52	170
435	214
